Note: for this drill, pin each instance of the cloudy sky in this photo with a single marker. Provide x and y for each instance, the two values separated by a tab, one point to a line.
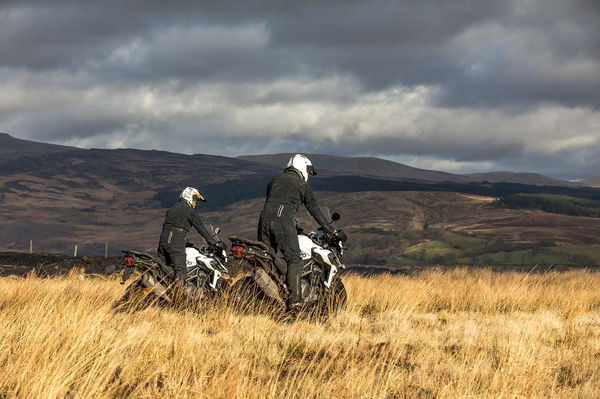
460	86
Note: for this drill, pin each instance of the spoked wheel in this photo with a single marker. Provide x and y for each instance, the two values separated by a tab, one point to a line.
203	298
221	288
332	301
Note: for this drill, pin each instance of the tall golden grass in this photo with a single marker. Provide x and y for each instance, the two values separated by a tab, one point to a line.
456	334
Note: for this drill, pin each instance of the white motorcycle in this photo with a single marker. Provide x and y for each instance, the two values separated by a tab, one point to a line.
205	269
263	280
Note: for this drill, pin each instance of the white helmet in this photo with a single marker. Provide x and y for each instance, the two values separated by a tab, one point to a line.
302	165
191	196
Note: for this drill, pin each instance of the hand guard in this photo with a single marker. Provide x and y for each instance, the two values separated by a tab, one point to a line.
220	245
340	235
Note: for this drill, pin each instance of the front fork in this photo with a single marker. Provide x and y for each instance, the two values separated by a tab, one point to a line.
329	279
215	279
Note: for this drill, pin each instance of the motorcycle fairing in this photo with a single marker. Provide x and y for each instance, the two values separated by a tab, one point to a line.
195	258
306	246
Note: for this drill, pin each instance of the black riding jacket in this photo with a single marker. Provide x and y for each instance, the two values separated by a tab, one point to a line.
179	220
285	194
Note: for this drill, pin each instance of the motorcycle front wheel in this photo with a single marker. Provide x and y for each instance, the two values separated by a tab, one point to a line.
333	300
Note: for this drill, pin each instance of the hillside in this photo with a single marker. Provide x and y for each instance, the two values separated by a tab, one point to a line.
380	224
93	196
521	178
59	198
383	224
330	165
12	146
592	182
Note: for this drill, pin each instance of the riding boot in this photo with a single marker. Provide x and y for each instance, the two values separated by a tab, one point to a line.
294	273
179	266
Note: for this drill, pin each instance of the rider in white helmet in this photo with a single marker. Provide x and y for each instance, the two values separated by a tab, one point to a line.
277	227
303	165
178	222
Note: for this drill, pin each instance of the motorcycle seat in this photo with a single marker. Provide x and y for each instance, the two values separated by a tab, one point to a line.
278	261
151	260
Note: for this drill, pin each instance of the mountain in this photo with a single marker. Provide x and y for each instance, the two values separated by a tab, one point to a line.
591	182
329	165
130	168
12	146
60	196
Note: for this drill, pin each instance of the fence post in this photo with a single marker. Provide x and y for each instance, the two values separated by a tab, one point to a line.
30	246
105	250
75	251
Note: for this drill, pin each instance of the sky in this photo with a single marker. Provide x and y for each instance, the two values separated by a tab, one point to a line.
459	86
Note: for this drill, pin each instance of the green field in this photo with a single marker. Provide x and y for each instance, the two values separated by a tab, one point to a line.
454	248
513	258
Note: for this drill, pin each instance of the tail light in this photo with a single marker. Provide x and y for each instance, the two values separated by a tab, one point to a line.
128	261
237	251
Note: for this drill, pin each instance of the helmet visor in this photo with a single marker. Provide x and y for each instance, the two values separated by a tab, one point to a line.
195	199
311	170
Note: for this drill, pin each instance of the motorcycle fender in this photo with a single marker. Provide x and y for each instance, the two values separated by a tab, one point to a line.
267	285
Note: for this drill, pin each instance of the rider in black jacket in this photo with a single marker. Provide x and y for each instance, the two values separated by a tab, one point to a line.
179	220
277	227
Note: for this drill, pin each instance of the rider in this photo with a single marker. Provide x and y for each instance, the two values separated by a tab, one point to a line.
276	226
179	220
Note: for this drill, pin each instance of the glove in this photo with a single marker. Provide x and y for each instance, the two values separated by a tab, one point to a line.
340	235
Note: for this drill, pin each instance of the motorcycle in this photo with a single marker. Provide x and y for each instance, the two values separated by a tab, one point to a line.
204	280
262	284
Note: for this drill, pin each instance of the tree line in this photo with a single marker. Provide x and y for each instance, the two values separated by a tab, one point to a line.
226	193
562	204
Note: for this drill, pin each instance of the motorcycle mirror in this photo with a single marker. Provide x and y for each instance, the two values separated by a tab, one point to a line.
336	216
217	230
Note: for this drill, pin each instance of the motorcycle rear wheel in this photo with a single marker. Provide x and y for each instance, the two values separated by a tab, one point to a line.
246	296
136	297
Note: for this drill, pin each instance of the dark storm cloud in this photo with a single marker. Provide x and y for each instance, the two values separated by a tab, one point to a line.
465	81
479	53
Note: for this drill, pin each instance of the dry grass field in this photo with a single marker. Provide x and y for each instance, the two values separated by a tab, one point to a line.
455	334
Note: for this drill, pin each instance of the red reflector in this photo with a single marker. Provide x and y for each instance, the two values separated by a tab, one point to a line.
128	261
237	251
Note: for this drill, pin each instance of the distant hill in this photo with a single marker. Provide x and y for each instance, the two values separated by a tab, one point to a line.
132	169
592	182
331	165
13	146
60	196
521	178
